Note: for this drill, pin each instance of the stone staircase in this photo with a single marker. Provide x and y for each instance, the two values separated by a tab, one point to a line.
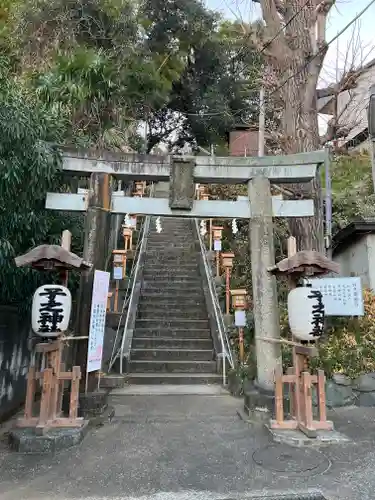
172	341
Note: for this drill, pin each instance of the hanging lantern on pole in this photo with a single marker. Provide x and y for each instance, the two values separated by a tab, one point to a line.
306	313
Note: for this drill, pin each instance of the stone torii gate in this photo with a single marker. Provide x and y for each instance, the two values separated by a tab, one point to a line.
183	173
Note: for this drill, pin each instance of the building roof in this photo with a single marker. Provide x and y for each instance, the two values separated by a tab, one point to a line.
352	233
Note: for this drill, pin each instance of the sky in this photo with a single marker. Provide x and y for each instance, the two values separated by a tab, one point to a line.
354	47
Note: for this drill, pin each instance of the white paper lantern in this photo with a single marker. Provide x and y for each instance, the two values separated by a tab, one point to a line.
52	305
306	313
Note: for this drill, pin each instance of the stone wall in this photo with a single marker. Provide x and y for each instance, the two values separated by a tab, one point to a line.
342	391
14	359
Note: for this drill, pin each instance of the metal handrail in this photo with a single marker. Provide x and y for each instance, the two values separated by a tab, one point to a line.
115	354
129	298
224	340
135	280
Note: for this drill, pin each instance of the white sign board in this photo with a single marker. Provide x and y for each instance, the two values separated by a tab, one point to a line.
117	273
51	309
97	320
240	318
341	296
217	245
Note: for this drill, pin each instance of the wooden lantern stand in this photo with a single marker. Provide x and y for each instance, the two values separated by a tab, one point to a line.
52	375
239	303
127	234
298	377
119	260
52	380
217	232
227	264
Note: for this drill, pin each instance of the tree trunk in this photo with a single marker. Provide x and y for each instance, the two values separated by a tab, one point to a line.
300	127
295	51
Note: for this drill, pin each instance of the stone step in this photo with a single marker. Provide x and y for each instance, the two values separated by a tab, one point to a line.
183	323
180	332
168	294
171	266
166	355
171	343
174	378
164	236
173	366
172	301
170	273
112	381
170	253
166	279
175	308
175	247
154	313
168	256
171	287
170	241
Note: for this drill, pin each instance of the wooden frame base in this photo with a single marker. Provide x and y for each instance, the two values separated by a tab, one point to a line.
300	383
51	379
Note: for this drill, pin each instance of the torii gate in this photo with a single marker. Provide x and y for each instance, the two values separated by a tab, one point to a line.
183	173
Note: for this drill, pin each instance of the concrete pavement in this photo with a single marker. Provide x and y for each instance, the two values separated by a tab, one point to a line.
193	447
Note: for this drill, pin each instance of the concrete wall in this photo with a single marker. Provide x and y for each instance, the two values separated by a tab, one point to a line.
14	359
358	259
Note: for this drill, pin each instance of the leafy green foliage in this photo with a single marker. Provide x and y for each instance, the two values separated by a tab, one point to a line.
217	88
28	168
352	189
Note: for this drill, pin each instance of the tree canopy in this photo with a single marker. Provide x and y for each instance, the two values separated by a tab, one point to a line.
90	74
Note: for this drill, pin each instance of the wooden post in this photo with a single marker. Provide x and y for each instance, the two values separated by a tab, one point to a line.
321	391
279	402
307	400
227	290
217	264
55	357
265	303
241	345
110	294
210	231
115	306
292	393
45	403
73	409
97	228
66	241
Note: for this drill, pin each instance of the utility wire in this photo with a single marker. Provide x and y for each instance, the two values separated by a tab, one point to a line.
319	52
265	46
345	28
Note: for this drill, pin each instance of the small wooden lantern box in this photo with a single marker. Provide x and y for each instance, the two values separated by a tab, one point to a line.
227	259
202	192
119	259
140	187
217	232
239	299
127	233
